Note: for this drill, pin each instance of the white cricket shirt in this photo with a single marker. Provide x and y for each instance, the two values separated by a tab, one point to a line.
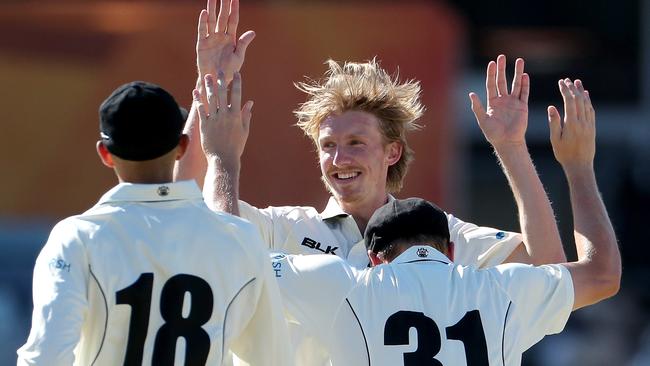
422	309
303	230
150	275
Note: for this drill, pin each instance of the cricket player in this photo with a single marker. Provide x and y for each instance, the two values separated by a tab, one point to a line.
358	118
150	275
416	307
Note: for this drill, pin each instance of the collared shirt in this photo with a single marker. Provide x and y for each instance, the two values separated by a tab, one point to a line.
423	307
147	265
303	230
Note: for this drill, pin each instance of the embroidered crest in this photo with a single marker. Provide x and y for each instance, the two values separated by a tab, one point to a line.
423	252
163	191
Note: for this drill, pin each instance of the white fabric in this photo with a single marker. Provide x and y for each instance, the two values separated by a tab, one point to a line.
303	230
517	304
157	242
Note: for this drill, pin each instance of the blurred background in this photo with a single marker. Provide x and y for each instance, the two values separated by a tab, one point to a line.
59	59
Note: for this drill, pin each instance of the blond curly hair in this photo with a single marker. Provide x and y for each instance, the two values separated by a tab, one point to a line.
368	88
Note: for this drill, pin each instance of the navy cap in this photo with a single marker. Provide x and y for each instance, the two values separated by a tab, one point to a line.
140	121
401	219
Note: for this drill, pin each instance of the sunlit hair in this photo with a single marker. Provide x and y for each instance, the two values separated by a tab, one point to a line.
368	88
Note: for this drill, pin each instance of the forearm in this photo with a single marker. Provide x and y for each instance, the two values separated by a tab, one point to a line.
193	164
221	188
593	231
536	219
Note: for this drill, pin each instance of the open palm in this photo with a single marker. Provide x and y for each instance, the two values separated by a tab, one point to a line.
506	118
217	48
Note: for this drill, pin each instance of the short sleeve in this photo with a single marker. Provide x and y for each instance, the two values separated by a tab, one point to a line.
60	300
257	313
313	287
262	219
480	246
541	302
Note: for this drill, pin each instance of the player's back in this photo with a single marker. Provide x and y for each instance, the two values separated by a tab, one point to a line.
421	309
154	281
165	271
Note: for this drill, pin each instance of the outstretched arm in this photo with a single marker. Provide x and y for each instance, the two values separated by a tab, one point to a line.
217	49
504	124
597	273
224	130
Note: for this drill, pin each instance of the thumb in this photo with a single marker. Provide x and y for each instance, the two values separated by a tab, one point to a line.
555	123
243	42
200	107
477	106
247	114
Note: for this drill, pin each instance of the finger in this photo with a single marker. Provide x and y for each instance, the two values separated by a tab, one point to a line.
222	18
554	123
243	42
516	81
585	100
491	81
525	88
212	18
569	102
246	114
202	28
235	92
212	96
579	100
477	106
502	85
589	108
233	19
222	90
200	107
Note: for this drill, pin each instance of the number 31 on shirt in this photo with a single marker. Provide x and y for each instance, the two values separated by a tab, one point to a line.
468	330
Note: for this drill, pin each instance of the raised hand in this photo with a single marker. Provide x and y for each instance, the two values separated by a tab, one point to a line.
574	139
224	127
217	47
506	117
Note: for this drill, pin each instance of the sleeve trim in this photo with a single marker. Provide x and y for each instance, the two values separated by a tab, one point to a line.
365	341
225	317
101	345
503	335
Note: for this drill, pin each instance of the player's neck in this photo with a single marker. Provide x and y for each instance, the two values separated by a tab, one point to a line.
362	211
143	173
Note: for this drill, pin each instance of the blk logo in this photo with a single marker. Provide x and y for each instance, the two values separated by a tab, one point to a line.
313	244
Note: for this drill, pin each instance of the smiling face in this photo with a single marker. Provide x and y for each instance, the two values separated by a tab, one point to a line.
354	158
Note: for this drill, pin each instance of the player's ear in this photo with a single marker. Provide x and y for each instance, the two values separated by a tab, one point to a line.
182	146
104	155
450	251
374	259
394	150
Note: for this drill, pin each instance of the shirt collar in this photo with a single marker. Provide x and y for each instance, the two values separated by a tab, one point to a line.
333	209
419	253
152	192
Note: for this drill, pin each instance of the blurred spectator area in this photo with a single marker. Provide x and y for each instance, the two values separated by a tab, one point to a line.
59	59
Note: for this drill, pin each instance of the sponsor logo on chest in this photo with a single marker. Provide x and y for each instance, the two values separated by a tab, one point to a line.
313	244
